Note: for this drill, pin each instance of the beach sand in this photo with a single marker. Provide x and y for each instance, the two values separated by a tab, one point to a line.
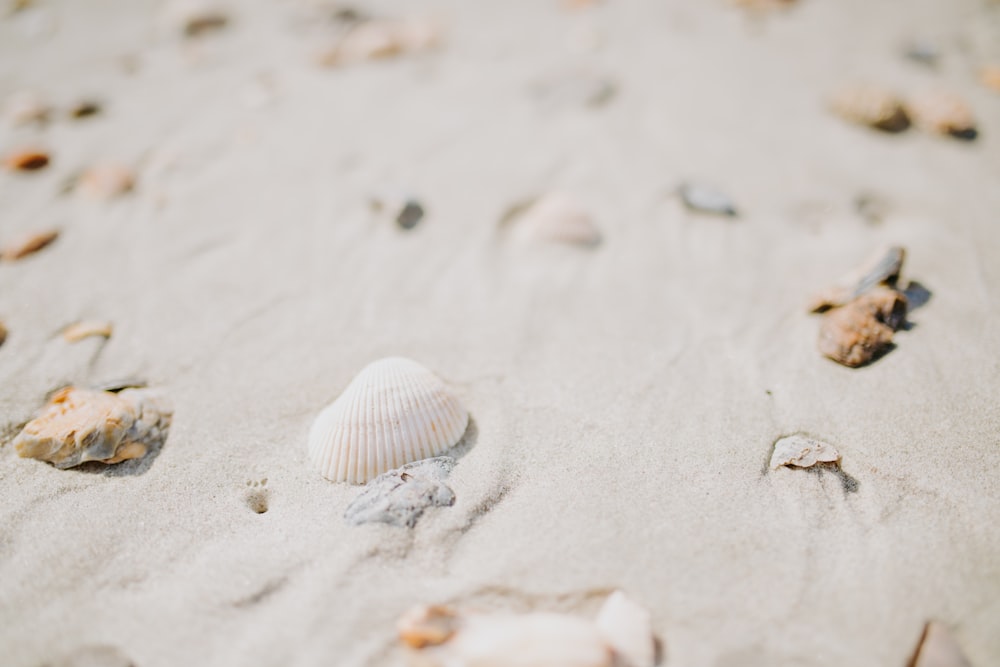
625	398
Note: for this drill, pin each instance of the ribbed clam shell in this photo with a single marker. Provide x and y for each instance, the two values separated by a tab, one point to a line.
393	413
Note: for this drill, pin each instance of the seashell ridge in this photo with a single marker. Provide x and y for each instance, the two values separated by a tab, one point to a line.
394	412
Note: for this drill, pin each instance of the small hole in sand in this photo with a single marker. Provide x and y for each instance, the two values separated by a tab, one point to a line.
257	502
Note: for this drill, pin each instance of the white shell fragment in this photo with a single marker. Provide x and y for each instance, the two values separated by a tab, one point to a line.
399	497
393	413
440	636
79	425
553	217
627	627
85	329
938	648
706	199
802	452
26	107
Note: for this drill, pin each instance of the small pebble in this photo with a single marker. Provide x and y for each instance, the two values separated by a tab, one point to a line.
3	333
861	331
871	106
28	245
706	199
944	113
923	52
84	109
404	209
26	160
399	497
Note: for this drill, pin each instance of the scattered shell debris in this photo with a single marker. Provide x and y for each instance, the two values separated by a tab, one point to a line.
442	636
944	113
862	330
400	497
378	39
882	268
28	159
404	209
105	181
706	199
28	245
394	412
871	106
555	217
800	451
938	648
27	107
86	329
84	109
79	425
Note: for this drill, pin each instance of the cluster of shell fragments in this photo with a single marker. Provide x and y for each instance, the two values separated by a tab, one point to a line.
79	425
863	312
441	636
393	413
938	111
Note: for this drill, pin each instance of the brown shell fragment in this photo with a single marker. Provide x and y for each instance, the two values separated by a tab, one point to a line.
379	39
857	333
86	329
28	245
106	181
28	159
427	625
79	425
871	106
938	648
944	113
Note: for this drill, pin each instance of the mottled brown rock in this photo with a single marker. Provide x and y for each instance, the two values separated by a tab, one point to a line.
28	159
944	113
28	245
855	334
872	106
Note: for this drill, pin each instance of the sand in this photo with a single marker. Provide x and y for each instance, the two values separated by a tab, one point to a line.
625	397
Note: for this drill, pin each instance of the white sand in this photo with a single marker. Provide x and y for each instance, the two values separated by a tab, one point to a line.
625	397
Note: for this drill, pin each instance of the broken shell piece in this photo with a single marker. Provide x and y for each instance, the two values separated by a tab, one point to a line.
938	648
706	199
28	245
627	627
194	18
26	107
800	451
79	425
882	269
105	181
381	38
394	412
28	159
871	106
857	333
84	109
944	113
553	217
3	333
427	625
399	497
86	329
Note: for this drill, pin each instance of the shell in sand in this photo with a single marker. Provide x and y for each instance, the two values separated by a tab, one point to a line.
553	217
79	425
799	451
394	412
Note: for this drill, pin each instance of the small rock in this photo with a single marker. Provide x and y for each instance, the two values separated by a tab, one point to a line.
105	181
859	332
28	245
85	329
706	199
405	210
84	109
871	106
799	451
79	425
923	52
28	159
938	648
399	497
944	113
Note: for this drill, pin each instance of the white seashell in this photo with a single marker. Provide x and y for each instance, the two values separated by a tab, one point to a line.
553	217
938	648
394	412
628	629
802	452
